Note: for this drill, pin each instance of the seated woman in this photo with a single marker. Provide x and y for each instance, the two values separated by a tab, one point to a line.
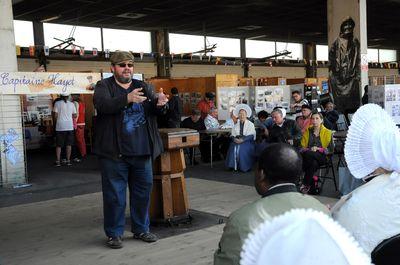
241	150
316	143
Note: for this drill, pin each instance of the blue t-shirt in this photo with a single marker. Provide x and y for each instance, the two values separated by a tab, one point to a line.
135	138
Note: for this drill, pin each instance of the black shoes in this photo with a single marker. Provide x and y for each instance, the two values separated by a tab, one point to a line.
114	242
146	237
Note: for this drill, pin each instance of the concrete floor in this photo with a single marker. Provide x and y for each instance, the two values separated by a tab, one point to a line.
57	228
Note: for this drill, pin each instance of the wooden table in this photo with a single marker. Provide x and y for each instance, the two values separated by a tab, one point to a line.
169	201
212	133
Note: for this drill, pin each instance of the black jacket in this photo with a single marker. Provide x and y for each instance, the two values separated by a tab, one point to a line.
175	109
289	131
109	105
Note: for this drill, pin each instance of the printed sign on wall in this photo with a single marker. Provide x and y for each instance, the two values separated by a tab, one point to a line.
47	83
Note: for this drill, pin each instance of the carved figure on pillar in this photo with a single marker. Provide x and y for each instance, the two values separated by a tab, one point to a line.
344	69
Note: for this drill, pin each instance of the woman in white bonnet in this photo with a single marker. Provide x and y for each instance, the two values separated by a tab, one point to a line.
372	150
241	153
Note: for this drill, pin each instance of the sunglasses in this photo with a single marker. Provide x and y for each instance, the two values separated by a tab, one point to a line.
123	65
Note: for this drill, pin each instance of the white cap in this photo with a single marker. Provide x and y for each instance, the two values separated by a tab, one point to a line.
302	236
242	107
65	94
373	141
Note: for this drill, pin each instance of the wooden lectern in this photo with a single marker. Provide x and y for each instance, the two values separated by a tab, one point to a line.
169	201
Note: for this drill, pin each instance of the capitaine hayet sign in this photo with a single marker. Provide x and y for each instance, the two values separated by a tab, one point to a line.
47	83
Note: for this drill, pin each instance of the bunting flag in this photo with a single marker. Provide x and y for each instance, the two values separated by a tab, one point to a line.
305	61
94	52
172	56
218	60
161	54
191	56
32	51
201	57
46	50
311	62
18	50
73	49
141	55
107	53
182	55
209	58
82	51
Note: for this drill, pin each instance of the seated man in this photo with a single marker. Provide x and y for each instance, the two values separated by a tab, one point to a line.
220	141
194	122
284	130
299	101
331	116
211	121
279	168
262	124
304	121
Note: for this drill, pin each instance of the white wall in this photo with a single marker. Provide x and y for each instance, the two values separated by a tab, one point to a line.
27	65
268	71
323	72
191	70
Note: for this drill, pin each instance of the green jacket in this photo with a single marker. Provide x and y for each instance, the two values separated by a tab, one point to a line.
244	220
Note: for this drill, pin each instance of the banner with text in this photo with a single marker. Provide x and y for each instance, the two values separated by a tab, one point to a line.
47	83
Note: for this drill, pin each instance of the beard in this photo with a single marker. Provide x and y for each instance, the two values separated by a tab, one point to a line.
122	79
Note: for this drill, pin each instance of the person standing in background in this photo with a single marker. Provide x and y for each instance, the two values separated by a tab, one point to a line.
80	127
206	104
64	114
174	113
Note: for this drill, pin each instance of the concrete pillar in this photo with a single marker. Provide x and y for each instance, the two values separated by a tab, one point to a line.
243	57
348	62
10	105
162	53
310	54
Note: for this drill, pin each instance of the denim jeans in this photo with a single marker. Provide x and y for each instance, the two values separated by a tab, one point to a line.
116	175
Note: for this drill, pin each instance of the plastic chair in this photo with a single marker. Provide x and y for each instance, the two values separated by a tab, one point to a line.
387	252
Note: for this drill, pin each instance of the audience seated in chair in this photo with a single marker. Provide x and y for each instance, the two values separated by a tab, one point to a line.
316	143
283	130
304	121
194	122
331	116
241	154
372	212
279	168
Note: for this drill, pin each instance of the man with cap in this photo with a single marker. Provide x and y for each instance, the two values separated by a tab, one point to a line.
64	114
372	151
194	122
206	104
304	120
126	141
279	169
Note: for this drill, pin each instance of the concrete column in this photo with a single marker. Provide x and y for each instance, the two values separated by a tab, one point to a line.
10	105
38	33
348	63
243	57
310	53
162	53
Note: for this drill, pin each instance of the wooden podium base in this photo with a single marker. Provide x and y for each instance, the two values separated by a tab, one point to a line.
169	199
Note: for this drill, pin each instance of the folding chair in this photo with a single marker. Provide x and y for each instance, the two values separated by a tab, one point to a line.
323	172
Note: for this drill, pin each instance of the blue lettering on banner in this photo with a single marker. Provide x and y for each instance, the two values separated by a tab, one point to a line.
5	80
65	83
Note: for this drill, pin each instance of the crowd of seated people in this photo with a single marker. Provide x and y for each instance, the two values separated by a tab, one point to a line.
285	226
